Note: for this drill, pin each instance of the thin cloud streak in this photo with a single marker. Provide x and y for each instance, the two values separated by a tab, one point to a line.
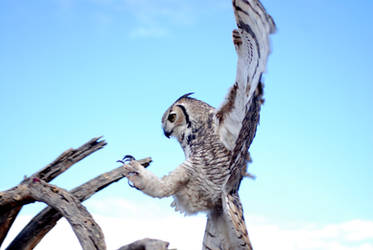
146	32
160	18
151	19
157	19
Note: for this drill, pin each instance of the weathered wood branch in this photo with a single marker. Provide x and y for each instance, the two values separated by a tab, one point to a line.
6	221
85	228
42	223
146	244
68	158
10	206
63	204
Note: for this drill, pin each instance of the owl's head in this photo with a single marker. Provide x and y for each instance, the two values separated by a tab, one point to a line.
183	114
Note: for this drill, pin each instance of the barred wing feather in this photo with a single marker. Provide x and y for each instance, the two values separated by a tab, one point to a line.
237	119
253	47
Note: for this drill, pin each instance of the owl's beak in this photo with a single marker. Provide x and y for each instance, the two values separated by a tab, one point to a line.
167	133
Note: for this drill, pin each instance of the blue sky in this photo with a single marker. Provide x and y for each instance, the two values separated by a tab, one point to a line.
73	70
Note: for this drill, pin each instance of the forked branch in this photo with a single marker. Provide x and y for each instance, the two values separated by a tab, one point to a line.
11	205
42	223
63	203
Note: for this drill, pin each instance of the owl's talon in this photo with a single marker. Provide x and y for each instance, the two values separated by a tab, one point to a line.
132	185
127	158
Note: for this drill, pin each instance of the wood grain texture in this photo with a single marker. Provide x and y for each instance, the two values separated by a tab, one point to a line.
10	204
43	222
85	228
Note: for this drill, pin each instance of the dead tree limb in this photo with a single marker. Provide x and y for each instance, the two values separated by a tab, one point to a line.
63	203
85	228
42	223
6	221
9	208
68	158
146	244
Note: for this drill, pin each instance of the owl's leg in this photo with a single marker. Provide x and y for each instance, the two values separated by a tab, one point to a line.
150	184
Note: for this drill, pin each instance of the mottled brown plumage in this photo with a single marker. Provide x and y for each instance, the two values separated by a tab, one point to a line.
216	141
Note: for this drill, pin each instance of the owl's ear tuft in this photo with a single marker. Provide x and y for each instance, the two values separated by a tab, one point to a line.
184	96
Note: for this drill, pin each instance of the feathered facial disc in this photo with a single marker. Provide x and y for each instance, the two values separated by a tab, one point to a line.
175	120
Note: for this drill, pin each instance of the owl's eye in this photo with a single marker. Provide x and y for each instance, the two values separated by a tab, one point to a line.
171	117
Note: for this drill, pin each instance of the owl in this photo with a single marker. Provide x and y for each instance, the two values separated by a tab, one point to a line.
216	141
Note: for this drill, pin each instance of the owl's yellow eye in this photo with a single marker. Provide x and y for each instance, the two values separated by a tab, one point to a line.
171	117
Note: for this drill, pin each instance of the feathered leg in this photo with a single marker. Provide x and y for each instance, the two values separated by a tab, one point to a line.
145	181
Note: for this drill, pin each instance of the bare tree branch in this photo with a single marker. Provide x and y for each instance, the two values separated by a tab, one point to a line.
68	158
86	229
10	206
6	221
146	244
42	223
63	203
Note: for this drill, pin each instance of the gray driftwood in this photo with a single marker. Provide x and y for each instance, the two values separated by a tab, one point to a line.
9	210
85	228
63	203
42	223
146	244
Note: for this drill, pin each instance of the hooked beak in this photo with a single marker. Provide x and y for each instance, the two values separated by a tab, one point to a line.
167	133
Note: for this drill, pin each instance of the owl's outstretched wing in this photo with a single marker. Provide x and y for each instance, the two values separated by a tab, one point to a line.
237	120
226	227
253	47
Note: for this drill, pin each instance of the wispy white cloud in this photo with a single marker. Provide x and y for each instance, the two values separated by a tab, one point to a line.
65	4
149	18
350	235
146	31
125	221
158	18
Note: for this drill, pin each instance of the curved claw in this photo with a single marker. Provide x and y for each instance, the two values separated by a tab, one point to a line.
126	158
132	186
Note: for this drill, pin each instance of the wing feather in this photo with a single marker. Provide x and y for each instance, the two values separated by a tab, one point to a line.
237	119
253	47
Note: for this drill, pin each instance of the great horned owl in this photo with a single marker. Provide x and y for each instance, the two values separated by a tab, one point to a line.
216	141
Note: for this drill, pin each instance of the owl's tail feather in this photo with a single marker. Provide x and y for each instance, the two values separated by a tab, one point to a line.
225	228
